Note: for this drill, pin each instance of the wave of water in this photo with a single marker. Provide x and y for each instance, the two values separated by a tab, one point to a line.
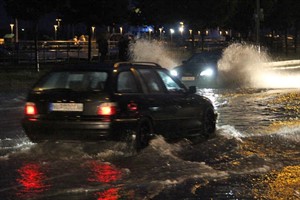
241	66
154	51
10	146
244	65
160	166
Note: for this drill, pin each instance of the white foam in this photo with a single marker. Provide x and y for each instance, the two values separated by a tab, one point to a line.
292	134
153	51
243	65
229	132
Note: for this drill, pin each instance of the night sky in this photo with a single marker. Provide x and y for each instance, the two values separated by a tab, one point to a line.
4	19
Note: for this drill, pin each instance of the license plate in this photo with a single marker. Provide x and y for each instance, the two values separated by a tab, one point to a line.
72	107
188	78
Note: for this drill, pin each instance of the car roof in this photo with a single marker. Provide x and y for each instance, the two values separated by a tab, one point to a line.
137	64
106	66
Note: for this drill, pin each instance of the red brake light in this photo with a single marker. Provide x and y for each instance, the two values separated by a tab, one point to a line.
132	106
30	108
107	109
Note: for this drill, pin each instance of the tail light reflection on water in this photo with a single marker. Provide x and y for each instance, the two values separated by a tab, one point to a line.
105	173
32	179
110	194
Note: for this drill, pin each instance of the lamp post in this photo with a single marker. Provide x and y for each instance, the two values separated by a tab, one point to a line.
150	30
181	29
58	21
160	31
93	32
258	17
11	28
172	32
55	32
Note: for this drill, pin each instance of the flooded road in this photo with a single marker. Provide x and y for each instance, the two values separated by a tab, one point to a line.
255	154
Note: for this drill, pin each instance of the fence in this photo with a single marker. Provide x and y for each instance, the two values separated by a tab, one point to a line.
52	51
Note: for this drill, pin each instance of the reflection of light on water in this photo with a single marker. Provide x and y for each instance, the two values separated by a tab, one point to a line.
32	179
209	93
103	173
110	194
283	184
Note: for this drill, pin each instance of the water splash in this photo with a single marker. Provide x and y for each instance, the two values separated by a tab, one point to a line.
154	51
230	132
9	146
243	65
240	65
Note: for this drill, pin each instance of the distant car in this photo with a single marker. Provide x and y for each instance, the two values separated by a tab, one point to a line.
200	70
126	101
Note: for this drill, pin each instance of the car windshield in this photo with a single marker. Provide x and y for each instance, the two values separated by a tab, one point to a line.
76	81
206	57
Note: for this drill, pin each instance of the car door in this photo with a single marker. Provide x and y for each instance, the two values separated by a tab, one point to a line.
162	109
188	108
129	95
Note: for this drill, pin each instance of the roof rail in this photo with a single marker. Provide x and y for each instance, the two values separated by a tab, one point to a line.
118	64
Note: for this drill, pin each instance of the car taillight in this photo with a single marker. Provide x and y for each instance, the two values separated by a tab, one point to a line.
30	108
132	106
107	109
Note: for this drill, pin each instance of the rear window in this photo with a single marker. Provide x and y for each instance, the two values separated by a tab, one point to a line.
76	81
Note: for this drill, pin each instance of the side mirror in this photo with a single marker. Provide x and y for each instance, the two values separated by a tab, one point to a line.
192	89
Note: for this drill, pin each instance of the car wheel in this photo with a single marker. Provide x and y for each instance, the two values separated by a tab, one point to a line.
143	133
209	122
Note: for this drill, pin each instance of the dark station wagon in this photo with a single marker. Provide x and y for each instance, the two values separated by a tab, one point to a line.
130	101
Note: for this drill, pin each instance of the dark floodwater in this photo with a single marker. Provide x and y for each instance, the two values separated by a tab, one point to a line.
255	154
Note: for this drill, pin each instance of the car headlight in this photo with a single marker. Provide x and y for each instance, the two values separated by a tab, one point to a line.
207	72
174	72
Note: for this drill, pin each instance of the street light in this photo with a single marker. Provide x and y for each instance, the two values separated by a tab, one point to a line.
121	30
150	30
55	31
172	32
58	22
11	28
160	30
93	32
181	28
